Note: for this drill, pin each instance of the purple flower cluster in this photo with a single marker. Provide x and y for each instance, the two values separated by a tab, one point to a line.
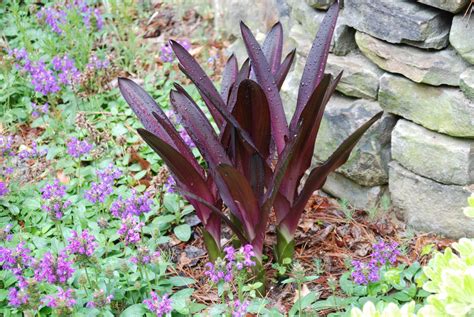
54	269
16	260
3	188
82	244
66	70
383	254
5	233
130	230
144	256
6	143
167	55
134	205
224	269
17	297
170	185
97	64
43	79
101	190
100	299
160	306
53	195
57	18
64	299
240	308
30	153
39	110
77	148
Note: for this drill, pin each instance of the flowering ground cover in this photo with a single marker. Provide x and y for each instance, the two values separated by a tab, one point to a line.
91	223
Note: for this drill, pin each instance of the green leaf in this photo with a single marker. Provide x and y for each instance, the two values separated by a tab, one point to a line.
303	303
180	281
134	311
183	232
119	129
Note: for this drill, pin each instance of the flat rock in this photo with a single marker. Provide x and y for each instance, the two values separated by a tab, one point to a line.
461	37
360	77
360	197
368	162
467	83
429	206
453	6
433	155
441	109
310	18
401	21
320	4
434	68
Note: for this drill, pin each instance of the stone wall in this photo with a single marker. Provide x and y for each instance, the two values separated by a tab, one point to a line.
414	60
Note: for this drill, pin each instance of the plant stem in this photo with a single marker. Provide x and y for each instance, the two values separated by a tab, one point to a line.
88	278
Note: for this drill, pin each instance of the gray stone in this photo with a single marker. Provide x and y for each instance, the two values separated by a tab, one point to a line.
289	89
401	21
320	4
444	109
461	37
429	206
433	155
368	162
434	68
466	83
343	40
360	77
228	14
360	197
300	39
453	6
309	18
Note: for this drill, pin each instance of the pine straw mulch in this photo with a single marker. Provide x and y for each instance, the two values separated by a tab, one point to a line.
326	236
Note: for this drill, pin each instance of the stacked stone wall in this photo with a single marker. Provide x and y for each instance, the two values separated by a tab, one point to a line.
412	59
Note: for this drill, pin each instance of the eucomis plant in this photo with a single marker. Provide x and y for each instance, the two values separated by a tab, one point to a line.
255	159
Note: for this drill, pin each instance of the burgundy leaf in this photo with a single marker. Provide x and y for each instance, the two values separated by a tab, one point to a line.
229	75
318	175
284	68
197	75
267	81
272	47
316	63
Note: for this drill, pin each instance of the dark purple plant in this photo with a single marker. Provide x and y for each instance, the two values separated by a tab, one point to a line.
250	163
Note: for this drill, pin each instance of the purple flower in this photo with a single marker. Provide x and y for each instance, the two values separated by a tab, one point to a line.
160	306
15	260
220	271
97	64
6	143
53	17
109	174
33	152
3	188
77	148
167	55
144	256
98	192
385	253
134	205
5	234
54	269
130	230
240	309
17	297
100	300
82	244
67	72
55	205
64	299
39	110
170	185
43	79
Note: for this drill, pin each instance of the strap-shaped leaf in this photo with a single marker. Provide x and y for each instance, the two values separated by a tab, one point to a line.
267	81
229	75
184	172
316	63
198	127
318	175
284	68
201	80
243	196
272	47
